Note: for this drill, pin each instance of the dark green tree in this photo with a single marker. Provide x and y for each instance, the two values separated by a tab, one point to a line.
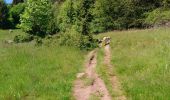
17	1
105	13
15	12
4	22
66	15
84	15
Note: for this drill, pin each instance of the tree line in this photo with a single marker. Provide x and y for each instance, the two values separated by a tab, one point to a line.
86	17
102	15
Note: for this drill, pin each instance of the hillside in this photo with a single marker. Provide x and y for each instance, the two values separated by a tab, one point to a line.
141	61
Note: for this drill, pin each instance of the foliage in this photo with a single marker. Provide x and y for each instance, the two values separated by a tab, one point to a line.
15	2
166	3
36	17
158	17
102	19
15	12
69	39
66	15
76	16
39	41
83	16
75	39
23	38
87	42
122	14
4	22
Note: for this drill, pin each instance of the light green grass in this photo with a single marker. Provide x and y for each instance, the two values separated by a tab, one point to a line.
37	73
142	62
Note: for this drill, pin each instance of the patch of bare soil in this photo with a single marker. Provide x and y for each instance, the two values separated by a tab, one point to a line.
95	86
113	78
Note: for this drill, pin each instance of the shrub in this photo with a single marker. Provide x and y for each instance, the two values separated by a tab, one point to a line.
36	17
69	38
87	42
158	16
73	38
38	41
23	38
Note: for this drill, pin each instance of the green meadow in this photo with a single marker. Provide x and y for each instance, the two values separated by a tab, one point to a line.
44	46
141	60
30	72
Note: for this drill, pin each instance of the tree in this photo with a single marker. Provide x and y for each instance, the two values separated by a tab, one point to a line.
4	22
83	16
17	1
77	15
15	12
66	15
36	17
103	14
74	18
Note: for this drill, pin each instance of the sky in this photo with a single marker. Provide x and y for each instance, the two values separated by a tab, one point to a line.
8	1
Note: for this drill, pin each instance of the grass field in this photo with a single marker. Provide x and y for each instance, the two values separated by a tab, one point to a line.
37	73
141	59
142	62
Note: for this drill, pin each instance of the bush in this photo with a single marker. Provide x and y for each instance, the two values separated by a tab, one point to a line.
36	17
158	17
23	38
87	42
38	41
73	38
69	38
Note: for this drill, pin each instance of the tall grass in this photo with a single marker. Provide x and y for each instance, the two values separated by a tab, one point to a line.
37	73
142	62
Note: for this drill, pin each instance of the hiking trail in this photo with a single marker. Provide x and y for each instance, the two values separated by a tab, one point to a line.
89	84
96	87
116	86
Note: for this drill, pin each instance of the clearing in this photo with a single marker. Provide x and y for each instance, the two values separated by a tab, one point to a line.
136	66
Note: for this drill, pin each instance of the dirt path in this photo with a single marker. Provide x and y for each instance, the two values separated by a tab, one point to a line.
113	78
89	85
